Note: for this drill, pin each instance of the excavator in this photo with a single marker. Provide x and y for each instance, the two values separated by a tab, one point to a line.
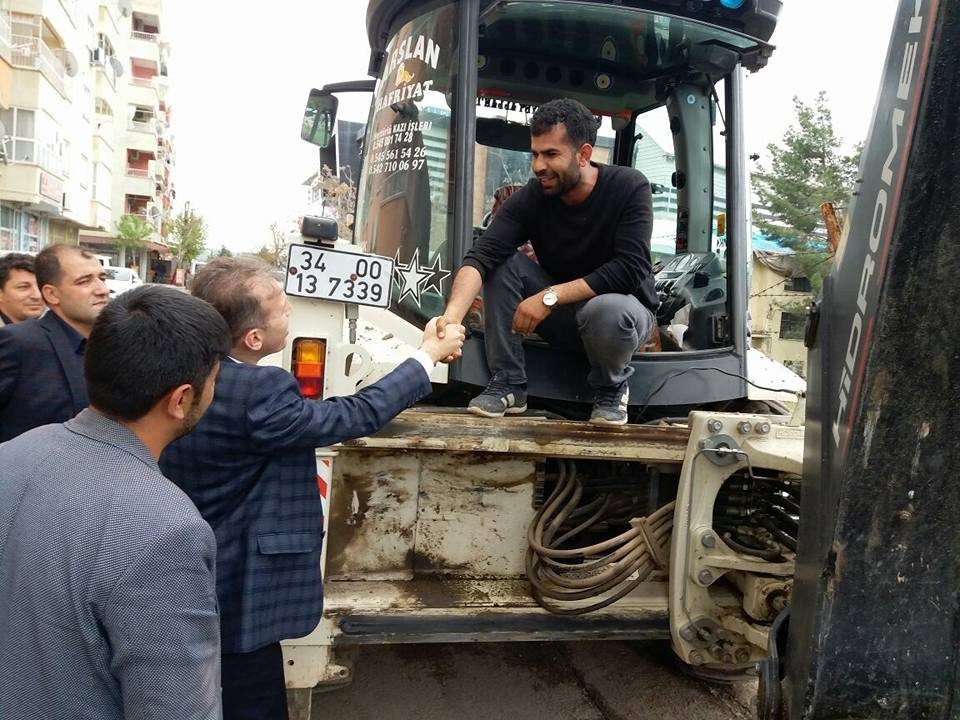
812	551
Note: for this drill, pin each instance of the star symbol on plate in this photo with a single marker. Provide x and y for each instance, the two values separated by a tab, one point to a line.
437	276
410	276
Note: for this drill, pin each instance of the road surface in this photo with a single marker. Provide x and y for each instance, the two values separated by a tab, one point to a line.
527	681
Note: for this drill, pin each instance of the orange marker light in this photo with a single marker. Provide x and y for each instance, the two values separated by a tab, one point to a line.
309	356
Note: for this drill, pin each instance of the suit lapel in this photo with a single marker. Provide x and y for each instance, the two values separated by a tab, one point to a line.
69	362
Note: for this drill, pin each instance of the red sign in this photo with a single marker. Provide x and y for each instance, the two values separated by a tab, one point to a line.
51	187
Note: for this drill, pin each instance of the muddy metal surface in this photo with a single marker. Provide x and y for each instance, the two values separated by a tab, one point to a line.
528	681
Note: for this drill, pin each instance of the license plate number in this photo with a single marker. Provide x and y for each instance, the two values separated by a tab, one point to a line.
339	276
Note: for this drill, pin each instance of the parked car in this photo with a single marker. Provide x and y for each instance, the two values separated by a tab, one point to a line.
119	280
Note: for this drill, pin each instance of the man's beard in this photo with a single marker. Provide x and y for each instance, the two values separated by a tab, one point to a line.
190	421
563	183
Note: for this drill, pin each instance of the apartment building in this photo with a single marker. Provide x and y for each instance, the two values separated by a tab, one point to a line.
83	103
779	296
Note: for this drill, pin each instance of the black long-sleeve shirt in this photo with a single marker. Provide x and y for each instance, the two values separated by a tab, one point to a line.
605	239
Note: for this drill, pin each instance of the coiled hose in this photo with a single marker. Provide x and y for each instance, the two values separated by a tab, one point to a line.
563	579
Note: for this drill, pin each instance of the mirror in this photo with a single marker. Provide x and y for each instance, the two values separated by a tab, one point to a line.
319	118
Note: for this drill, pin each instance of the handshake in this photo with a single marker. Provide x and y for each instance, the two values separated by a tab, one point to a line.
443	340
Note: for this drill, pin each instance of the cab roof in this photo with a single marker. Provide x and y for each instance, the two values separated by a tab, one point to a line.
757	18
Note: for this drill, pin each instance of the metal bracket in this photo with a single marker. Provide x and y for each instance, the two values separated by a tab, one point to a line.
721	450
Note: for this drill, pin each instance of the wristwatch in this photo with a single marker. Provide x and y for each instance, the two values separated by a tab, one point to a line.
549	297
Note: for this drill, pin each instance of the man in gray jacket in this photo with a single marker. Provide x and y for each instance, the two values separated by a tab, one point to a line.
107	600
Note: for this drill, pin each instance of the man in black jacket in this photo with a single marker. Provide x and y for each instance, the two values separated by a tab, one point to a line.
20	297
41	361
592	286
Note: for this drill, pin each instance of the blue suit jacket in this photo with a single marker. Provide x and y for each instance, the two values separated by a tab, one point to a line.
250	468
41	375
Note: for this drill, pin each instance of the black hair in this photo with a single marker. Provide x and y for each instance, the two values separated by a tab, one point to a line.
14	261
147	342
580	123
231	286
47	264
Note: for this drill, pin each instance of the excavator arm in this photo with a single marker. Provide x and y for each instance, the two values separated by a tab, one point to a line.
874	627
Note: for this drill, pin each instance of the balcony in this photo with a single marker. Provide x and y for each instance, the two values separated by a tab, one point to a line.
144	142
139	182
142	126
32	54
145	46
143	91
146	82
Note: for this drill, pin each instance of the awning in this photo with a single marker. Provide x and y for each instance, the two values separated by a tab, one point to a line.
90	239
86	239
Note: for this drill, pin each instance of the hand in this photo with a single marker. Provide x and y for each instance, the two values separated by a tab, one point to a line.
445	348
530	313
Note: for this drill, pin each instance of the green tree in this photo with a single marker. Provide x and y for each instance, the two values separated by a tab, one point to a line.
806	170
188	237
132	232
224	251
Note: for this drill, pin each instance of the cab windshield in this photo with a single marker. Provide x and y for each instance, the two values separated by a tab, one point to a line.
405	204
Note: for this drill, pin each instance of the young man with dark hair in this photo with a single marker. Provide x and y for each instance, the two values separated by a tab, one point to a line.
41	361
592	289
107	599
19	295
250	468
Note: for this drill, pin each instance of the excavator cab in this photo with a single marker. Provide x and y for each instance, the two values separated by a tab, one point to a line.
447	138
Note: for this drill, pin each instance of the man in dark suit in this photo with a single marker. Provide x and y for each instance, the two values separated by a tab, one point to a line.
250	468
41	361
108	608
20	297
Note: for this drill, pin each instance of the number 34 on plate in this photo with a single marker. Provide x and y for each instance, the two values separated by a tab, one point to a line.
339	276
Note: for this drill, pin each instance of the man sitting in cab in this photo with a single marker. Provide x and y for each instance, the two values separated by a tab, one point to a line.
592	287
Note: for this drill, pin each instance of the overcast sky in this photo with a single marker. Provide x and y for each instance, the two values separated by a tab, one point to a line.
240	76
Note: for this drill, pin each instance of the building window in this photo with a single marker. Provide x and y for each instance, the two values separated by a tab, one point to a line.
31	233
36	140
22	126
85	172
798	284
102	107
20	231
791	326
8	228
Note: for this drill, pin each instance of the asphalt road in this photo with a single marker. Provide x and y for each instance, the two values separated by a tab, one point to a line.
528	681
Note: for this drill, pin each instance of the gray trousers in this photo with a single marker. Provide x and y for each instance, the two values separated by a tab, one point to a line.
607	328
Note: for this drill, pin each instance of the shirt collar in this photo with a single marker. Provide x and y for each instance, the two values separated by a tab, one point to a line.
5	319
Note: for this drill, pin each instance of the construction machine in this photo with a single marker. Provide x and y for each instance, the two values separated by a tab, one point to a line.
816	555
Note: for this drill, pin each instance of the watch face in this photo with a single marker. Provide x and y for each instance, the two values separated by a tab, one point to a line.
550	298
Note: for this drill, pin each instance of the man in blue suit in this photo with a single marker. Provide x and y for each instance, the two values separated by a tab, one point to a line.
41	361
250	468
108	608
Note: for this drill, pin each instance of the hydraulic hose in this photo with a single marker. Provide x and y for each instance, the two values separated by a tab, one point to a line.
574	581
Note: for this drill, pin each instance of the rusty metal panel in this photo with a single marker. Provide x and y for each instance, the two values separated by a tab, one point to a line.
528	436
373	516
473	515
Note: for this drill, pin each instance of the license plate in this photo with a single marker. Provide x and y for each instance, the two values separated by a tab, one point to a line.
340	276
